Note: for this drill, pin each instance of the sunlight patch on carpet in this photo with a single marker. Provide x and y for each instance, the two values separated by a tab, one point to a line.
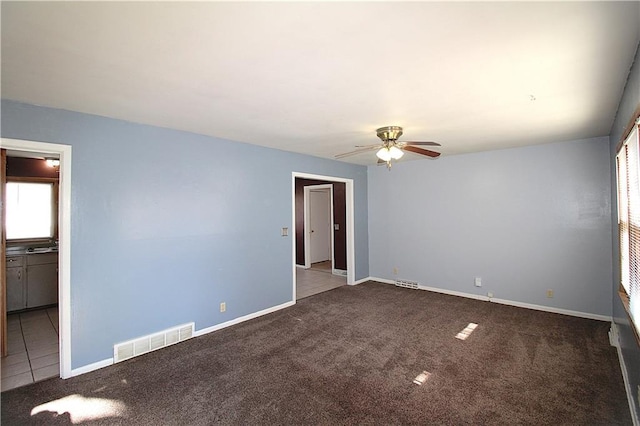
467	331
422	378
82	409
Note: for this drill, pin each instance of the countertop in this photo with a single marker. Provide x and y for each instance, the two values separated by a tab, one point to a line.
20	251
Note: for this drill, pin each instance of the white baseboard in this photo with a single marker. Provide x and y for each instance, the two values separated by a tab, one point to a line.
614	337
382	280
363	280
109	361
554	310
625	374
238	320
339	272
507	302
436	290
455	293
91	367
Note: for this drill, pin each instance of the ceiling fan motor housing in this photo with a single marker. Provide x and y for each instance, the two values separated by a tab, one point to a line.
389	133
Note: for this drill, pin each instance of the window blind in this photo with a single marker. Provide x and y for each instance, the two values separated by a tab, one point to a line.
628	171
623	217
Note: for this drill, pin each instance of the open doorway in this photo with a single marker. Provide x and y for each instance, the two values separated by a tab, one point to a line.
30	192
323	245
35	279
319	227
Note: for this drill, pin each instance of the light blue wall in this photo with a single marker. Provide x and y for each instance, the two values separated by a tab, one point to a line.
163	230
629	347
524	220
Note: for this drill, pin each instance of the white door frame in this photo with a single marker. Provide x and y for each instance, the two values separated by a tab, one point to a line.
351	250
307	224
64	239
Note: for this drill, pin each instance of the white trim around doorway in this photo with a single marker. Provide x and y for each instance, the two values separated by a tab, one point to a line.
351	256
307	224
64	239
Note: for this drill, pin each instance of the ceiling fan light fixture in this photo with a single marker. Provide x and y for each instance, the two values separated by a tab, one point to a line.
52	162
388	153
396	153
384	154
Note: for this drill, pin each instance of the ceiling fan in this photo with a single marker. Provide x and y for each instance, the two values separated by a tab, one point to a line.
391	148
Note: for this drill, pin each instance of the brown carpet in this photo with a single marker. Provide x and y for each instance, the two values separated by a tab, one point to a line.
349	356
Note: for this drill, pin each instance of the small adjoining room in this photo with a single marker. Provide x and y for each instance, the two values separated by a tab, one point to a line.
31	247
343	213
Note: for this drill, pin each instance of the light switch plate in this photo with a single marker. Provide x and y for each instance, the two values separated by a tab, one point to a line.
285	232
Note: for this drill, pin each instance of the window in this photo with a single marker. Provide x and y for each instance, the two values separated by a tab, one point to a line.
628	173
30	210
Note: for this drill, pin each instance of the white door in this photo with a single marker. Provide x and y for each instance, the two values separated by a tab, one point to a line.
320	223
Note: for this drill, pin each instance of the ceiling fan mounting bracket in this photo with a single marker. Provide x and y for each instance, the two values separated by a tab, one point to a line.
389	133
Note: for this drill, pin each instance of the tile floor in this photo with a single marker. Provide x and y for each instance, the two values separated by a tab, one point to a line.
33	348
313	281
322	266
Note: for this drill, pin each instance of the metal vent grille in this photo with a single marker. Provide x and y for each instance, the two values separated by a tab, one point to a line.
186	332
142	345
124	352
407	284
172	337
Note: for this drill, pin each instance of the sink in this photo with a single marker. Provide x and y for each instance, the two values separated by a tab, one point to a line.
40	250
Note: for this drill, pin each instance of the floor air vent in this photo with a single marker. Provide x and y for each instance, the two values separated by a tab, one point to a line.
142	345
406	284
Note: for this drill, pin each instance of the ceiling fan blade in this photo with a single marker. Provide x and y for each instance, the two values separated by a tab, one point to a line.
381	162
423	143
357	151
421	151
369	146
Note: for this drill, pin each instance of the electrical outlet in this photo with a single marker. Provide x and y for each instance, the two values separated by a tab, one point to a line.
550	293
223	307
478	282
395	270
490	295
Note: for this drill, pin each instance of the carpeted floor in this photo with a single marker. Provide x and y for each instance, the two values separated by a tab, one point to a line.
349	356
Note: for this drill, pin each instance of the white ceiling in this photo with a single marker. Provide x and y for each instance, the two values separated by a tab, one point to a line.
320	77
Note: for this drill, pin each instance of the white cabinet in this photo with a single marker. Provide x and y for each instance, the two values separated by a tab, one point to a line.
15	284
32	281
42	285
